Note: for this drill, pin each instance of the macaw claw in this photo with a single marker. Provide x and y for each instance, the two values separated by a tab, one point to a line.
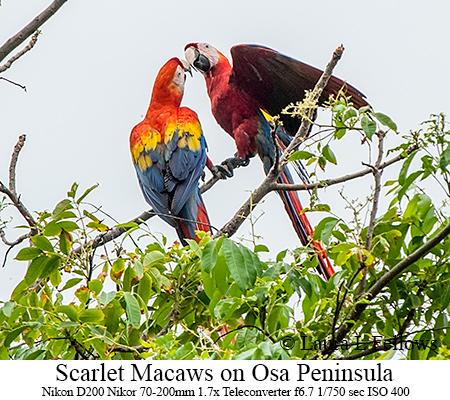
235	162
221	172
226	168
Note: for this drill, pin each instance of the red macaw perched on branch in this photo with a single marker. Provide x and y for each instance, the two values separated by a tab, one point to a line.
262	79
169	153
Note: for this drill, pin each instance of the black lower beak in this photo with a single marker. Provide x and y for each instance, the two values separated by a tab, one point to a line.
202	63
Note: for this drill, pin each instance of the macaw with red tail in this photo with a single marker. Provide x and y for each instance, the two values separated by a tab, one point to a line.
263	80
169	154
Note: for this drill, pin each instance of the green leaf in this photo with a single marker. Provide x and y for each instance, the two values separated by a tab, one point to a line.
368	126
60	207
341	129
28	253
139	269
73	190
67	324
68	226
71	283
105	298
35	269
118	268
55	278
161	280
152	258
300	155
404	169
7	308
329	155
145	287
128	278
132	309
70	311
36	355
98	226
92	217
91	315
445	158
350	113
260	248
50	266
19	290
209	256
65	242
322	162
306	286
87	191
281	255
95	286
252	264
324	228
385	120
52	229
11	336
4	354
242	272
42	243
321	207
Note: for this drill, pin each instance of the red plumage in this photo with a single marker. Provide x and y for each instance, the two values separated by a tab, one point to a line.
169	154
263	79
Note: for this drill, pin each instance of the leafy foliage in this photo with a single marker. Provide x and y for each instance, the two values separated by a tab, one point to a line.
219	299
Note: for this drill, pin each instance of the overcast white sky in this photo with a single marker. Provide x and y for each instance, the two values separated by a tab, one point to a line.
90	76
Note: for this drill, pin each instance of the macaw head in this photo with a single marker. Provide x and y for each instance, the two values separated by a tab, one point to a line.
202	56
169	83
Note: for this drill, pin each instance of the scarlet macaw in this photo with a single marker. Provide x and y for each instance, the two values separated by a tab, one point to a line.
168	150
262	79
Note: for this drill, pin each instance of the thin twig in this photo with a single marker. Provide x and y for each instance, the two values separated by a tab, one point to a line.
114	233
334	181
16	56
373	214
13	163
173	318
140	348
14	83
15	41
12	193
248	327
11	245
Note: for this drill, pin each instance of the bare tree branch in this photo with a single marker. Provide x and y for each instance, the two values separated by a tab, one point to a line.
334	181
12	193
209	184
114	233
13	163
15	57
15	41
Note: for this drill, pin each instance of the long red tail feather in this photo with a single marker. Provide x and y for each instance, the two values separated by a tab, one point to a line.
186	228
303	227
